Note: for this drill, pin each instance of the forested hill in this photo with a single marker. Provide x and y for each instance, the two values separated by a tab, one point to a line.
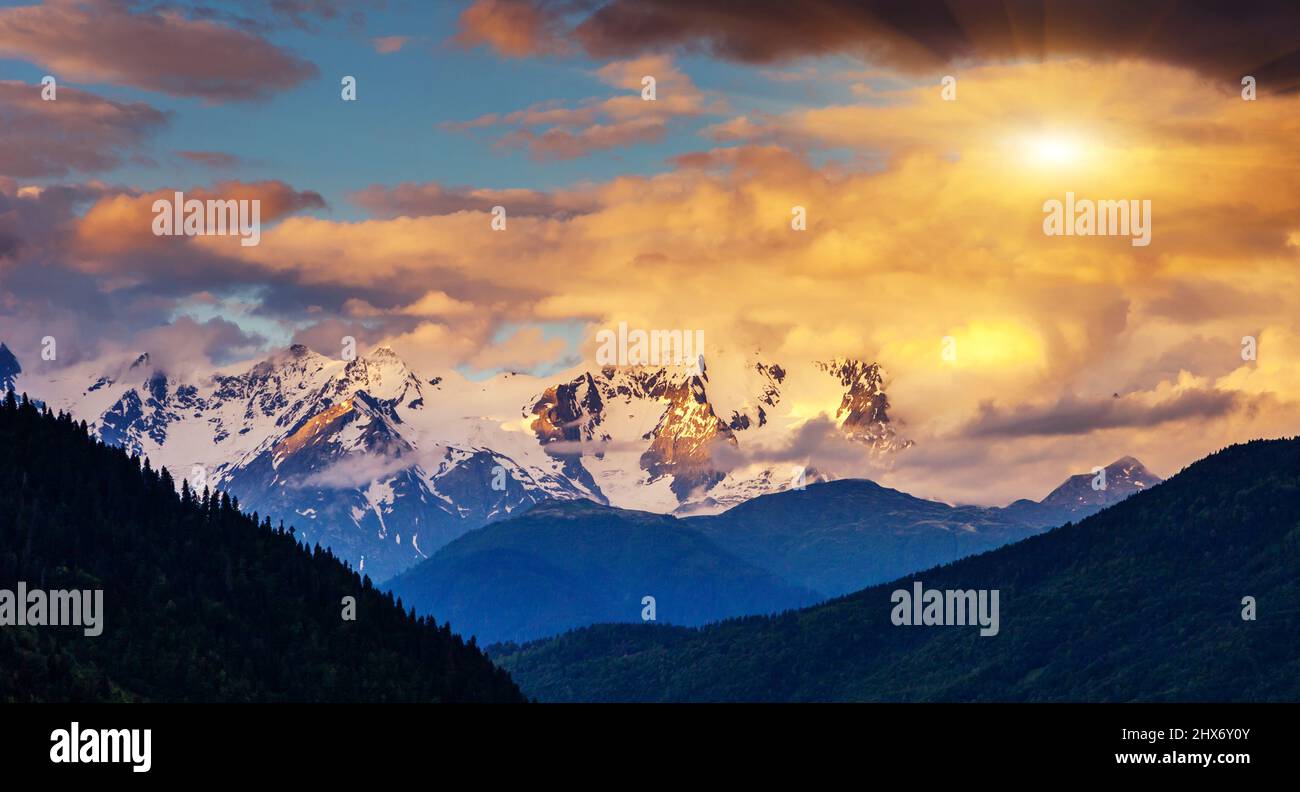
201	602
1143	601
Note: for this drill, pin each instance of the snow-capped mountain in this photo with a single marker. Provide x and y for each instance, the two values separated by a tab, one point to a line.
385	466
1088	493
677	440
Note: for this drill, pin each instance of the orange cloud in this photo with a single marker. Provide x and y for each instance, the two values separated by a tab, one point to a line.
926	235
122	223
387	45
512	28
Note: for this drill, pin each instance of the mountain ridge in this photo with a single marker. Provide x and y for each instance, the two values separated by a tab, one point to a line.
566	564
639	437
1141	601
201	602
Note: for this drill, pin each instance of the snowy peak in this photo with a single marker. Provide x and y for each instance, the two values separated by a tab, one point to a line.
383	375
614	406
350	452
1121	478
684	417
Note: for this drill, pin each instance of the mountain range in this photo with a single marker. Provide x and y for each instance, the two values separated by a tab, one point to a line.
1185	592
570	564
390	471
567	564
384	466
839	536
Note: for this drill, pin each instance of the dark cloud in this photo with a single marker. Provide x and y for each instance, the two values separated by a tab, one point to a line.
189	347
77	132
818	440
1071	415
1222	39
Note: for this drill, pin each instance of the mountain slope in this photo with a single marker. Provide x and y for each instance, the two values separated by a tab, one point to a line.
1142	601
566	565
361	455
200	602
840	536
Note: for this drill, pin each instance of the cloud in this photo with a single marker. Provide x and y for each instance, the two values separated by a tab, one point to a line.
556	131
512	28
359	470
923	223
102	41
78	132
123	222
1073	416
387	45
524	349
188	349
433	303
1213	37
420	200
818	440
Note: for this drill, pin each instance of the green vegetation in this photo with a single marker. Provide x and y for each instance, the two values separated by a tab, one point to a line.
202	603
1142	601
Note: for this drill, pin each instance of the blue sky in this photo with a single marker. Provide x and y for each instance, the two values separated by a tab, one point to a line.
308	137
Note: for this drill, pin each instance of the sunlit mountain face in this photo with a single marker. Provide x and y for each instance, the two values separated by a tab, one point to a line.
392	274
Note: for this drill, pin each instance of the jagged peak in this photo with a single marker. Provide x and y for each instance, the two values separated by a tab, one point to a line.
295	356
381	357
852	371
383	350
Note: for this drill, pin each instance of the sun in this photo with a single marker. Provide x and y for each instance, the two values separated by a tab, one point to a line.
1054	150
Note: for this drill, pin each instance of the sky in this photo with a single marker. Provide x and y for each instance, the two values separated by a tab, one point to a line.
1013	357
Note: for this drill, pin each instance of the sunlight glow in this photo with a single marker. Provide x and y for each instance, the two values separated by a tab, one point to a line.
1054	150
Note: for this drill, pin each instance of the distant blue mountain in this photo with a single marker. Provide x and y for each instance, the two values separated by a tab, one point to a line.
567	564
840	536
574	563
1187	592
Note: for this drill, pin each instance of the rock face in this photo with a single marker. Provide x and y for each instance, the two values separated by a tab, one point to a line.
863	412
681	427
